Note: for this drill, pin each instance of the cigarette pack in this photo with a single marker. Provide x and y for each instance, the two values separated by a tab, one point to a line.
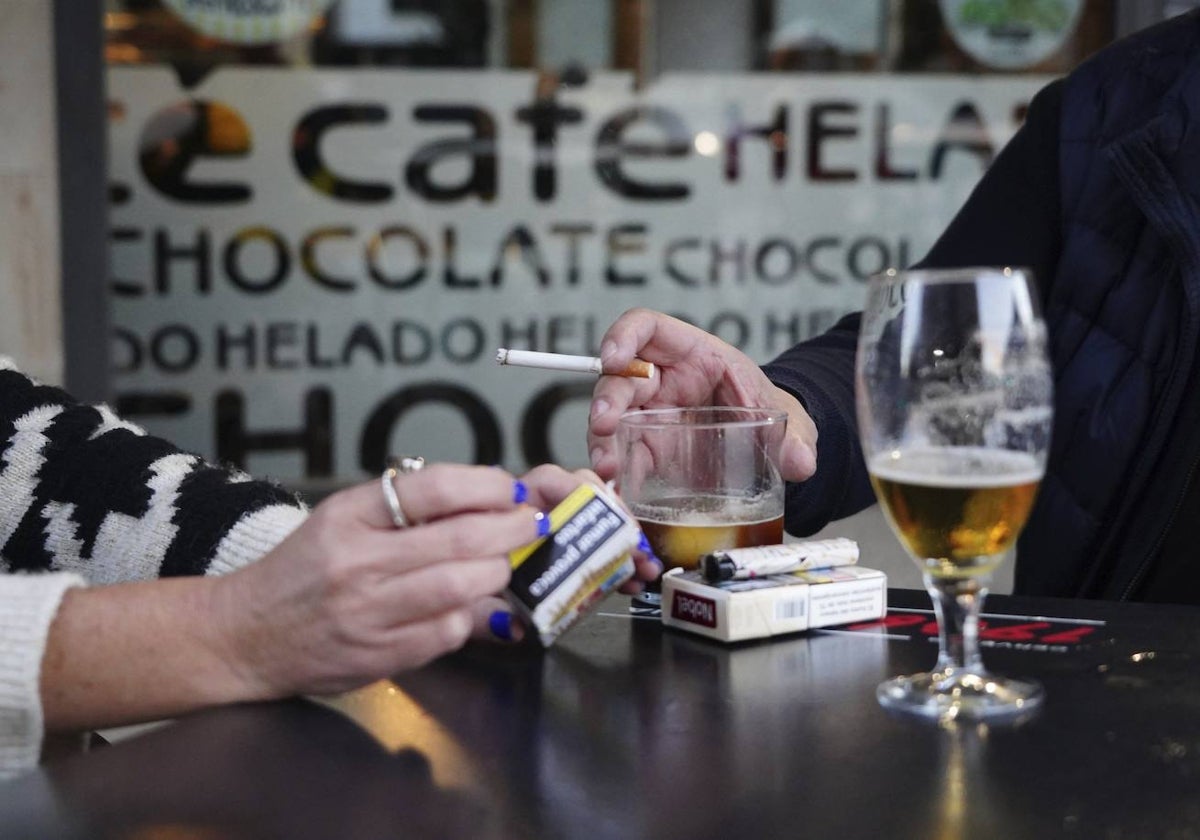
736	610
558	578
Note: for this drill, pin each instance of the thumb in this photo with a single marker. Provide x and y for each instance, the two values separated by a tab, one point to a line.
797	457
798	451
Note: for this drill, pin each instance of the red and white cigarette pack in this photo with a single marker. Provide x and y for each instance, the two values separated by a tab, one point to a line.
737	610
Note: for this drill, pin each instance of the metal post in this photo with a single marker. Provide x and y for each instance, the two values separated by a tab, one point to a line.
83	200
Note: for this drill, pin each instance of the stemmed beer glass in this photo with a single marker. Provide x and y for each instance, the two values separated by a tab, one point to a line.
954	394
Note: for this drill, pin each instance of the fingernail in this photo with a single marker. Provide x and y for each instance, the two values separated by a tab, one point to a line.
500	623
644	547
600	407
607	350
520	492
543	523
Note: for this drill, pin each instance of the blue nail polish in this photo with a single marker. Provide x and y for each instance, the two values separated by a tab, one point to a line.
500	623
644	547
543	523
520	492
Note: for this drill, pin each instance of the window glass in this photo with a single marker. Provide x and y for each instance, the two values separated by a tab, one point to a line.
327	216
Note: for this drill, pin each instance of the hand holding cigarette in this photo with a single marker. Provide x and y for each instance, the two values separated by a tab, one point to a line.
692	368
638	368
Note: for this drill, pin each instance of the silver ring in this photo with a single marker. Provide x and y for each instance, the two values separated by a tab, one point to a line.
398	465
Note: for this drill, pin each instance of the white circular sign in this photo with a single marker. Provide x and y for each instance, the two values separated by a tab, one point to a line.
1011	34
249	21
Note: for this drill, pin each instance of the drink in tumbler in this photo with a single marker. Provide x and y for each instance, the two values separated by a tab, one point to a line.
958	509
701	480
682	530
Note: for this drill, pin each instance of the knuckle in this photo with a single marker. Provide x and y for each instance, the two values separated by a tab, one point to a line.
437	487
545	470
416	656
545	475
327	546
352	642
336	508
501	571
587	476
470	537
454	628
324	517
341	599
459	541
349	582
453	589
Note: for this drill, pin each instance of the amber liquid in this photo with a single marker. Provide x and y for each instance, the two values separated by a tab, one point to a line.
956	510
683	530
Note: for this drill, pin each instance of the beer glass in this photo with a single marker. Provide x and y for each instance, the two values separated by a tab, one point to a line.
954	390
701	480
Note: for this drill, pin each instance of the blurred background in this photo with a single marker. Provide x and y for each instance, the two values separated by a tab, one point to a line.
291	234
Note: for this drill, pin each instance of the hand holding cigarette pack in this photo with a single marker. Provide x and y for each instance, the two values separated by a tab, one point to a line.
558	578
772	590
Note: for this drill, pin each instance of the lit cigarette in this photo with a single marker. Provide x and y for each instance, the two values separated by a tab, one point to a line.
579	364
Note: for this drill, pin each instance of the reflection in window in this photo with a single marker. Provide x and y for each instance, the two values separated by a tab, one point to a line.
650	37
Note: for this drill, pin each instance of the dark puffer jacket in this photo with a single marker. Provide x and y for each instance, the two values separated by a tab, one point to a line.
1100	193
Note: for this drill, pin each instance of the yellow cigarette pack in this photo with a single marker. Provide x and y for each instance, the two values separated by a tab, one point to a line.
737	610
558	578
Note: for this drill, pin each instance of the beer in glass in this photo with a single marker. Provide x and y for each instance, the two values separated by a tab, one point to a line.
954	396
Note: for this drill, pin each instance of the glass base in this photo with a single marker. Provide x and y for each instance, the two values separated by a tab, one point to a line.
967	696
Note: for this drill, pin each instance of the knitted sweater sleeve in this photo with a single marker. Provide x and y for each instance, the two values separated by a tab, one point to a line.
86	498
85	492
27	606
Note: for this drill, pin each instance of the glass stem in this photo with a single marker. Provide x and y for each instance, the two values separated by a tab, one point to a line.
957	603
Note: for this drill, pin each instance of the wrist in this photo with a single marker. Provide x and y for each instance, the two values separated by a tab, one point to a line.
235	639
133	652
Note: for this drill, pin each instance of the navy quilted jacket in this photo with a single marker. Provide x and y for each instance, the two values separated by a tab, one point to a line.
1100	191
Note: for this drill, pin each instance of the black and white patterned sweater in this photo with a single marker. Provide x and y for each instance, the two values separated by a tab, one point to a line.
89	499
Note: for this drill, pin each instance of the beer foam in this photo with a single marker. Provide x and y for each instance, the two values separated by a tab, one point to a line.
957	467
710	511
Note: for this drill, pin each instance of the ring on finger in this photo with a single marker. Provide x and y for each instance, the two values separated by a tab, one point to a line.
398	465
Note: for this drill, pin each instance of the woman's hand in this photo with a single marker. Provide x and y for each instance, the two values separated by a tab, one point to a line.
695	368
348	597
548	485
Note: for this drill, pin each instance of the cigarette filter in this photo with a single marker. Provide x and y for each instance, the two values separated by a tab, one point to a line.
586	555
736	610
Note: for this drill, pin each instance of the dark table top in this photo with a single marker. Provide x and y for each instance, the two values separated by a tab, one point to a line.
625	729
